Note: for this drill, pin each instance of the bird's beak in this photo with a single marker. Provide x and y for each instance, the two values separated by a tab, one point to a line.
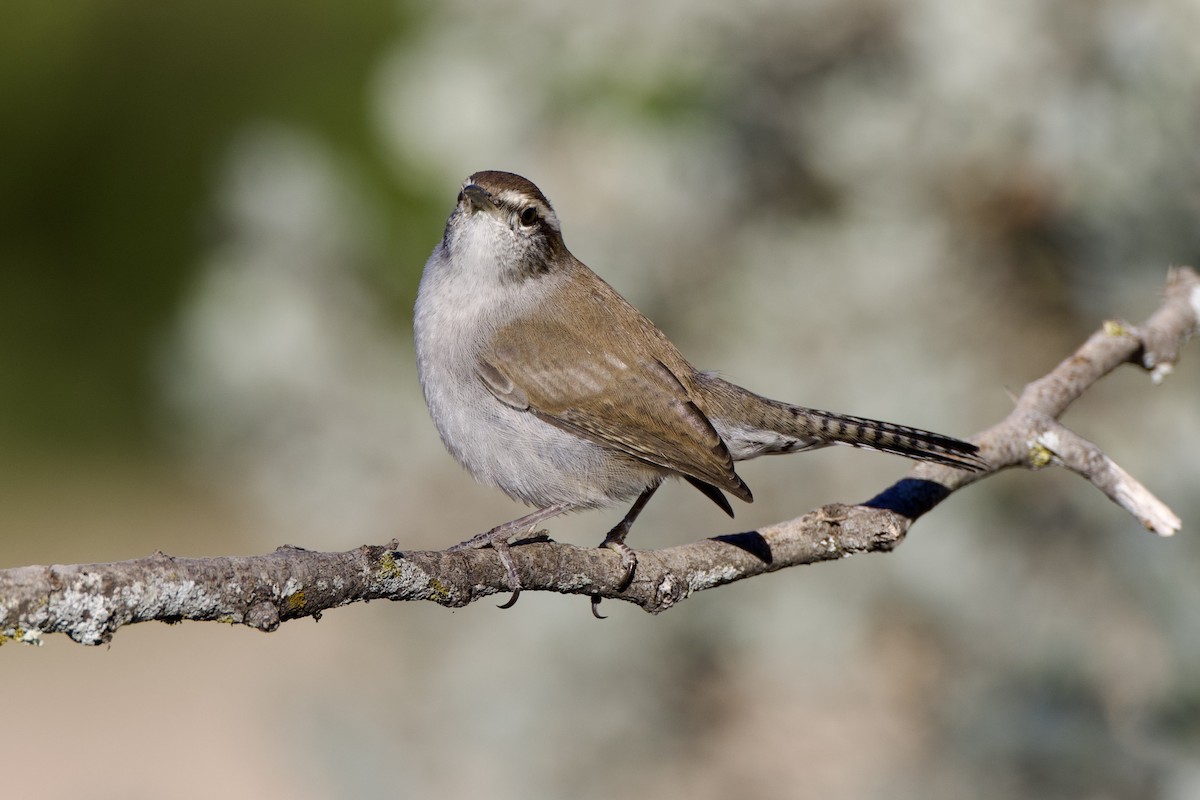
476	198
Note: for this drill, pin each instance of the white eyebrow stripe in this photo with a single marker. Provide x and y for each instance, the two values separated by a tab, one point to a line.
512	197
518	200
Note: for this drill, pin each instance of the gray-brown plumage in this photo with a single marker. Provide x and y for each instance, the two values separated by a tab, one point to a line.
545	382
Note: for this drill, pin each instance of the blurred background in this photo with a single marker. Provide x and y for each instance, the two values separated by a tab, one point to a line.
213	218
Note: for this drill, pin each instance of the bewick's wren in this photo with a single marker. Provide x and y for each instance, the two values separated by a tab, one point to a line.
545	382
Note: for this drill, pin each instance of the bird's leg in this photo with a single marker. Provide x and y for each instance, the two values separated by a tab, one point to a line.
498	538
615	540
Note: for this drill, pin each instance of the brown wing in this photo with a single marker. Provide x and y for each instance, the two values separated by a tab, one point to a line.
609	389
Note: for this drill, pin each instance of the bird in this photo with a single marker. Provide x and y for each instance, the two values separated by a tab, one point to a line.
543	381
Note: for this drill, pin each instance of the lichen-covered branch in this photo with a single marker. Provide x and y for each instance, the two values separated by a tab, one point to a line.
90	602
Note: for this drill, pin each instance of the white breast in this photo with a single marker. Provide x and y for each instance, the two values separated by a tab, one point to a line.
459	308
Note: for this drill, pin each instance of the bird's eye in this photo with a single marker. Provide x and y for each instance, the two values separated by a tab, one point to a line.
529	215
460	197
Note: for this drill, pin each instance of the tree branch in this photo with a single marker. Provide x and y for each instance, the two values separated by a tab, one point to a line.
90	602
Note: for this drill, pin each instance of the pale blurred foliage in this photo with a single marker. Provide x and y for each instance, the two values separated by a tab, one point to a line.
902	210
284	369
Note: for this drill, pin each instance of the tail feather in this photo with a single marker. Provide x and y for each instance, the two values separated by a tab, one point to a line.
752	425
891	438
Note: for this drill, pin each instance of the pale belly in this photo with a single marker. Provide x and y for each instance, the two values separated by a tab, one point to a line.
529	459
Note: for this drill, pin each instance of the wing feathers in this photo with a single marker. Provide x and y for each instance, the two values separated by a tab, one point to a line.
611	393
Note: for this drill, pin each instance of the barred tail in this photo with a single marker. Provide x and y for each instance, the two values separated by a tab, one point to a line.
891	438
752	425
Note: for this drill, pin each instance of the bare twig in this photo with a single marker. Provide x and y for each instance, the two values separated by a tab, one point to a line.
90	602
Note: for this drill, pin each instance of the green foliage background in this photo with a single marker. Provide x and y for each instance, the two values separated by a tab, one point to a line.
116	117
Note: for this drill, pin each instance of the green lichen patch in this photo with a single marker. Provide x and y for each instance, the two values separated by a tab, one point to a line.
388	568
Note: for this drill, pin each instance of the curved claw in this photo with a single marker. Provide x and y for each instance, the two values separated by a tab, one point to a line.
512	601
628	561
514	580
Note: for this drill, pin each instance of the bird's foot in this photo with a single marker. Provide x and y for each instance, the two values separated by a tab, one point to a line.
615	541
628	561
497	538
